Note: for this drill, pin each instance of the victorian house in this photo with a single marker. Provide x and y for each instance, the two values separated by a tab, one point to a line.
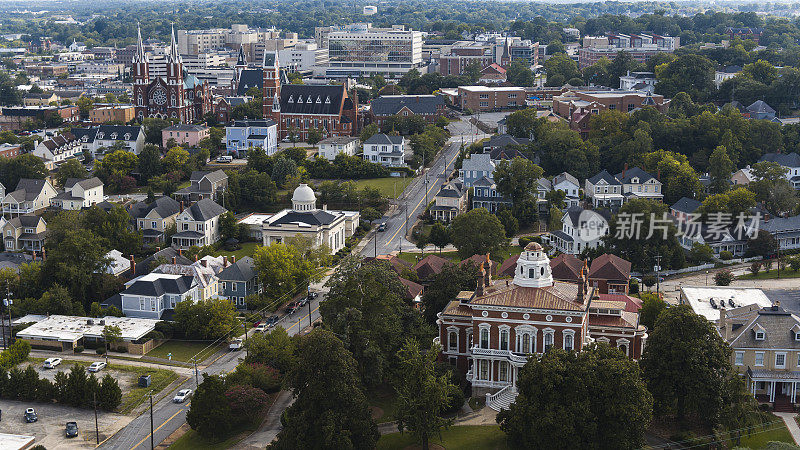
491	332
178	96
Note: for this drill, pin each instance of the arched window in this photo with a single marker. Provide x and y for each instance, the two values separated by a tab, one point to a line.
526	343
172	100
452	340
569	342
548	341
503	339
141	100
485	338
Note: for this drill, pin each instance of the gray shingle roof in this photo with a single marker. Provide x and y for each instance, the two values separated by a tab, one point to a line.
214	176
386	139
604	175
686	205
161	286
241	270
87	183
784	159
635	172
164	206
781	224
205	209
565	176
777	325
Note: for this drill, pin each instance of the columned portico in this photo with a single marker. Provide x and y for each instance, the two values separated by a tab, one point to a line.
774	386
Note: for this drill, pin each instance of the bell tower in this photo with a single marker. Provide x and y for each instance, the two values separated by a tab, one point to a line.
141	77
271	88
533	268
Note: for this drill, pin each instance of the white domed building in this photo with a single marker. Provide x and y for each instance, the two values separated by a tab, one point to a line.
304	219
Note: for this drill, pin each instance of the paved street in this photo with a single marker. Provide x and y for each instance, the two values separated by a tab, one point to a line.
168	416
412	201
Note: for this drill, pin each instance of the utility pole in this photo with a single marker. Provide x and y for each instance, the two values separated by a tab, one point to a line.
658	271
96	426
152	439
375	240
196	378
310	320
406	226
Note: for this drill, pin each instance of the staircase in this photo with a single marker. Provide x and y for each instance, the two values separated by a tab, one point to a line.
502	399
783	404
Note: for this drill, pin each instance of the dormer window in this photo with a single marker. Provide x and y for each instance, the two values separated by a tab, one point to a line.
319	99
291	99
760	335
327	100
309	101
100	135
127	136
114	136
299	99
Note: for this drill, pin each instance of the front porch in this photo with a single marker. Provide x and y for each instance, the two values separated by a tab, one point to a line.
186	239
776	387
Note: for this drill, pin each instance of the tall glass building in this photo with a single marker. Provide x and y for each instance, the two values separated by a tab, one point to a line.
360	50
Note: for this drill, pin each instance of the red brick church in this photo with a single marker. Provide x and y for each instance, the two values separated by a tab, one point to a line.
178	96
491	332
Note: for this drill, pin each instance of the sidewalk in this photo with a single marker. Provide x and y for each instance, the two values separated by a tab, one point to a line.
185	371
270	427
791	424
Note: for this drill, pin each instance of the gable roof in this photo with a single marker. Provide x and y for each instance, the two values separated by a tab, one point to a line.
566	267
241	270
686	205
777	325
205	209
384	139
413	289
504	140
635	172
429	266
604	175
784	159
388	105
28	189
397	264
610	267
509	266
760	106
86	183
310	99
565	176
164	206
213	176
160	286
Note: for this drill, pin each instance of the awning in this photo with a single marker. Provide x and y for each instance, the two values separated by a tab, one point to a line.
773	375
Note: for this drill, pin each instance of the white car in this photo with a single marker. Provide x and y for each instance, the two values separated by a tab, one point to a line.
97	366
51	363
182	395
262	327
235	344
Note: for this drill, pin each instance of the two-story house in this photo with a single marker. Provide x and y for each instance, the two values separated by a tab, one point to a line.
239	280
331	147
682	210
449	202
204	272
242	135
485	195
203	184
766	351
610	274
604	190
154	296
570	186
79	194
580	229
24	233
474	167
198	225
636	183
101	139
185	135
386	150
29	197
152	219
790	162
57	149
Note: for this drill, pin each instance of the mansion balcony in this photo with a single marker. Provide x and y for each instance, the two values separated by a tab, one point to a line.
517	358
15	209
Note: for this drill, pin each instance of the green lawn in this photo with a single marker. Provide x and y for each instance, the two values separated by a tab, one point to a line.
776	431
183	350
248	248
389	187
768	275
479	437
191	440
159	380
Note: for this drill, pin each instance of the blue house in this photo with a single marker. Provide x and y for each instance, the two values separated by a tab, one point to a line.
244	134
239	280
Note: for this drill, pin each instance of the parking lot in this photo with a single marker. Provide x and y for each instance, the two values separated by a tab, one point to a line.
126	380
49	429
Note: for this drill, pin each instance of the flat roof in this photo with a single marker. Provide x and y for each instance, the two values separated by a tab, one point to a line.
15	441
254	218
699	298
71	328
492	88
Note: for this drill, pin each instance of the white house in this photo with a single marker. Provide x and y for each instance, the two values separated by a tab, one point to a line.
790	162
100	139
198	225
149	296
29	196
244	134
386	150
580	229
56	150
331	147
604	189
79	194
570	186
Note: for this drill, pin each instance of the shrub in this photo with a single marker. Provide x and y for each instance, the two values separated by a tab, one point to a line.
725	255
15	354
723	277
794	263
755	268
100	351
79	349
455	397
246	401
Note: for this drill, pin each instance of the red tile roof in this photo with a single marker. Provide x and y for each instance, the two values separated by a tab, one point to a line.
610	267
566	267
429	266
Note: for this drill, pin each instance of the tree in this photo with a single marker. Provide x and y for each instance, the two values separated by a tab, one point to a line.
720	168
370	214
701	253
725	277
275	349
283	169
517	179
681	338
111	334
760	71
439	235
510	223
175	160
733	202
210	413
260	376
246	402
367	306
110	395
652	307
369	131
211	318
560	68
764	244
477	232
283	269
690	73
524	123
330	410
422	395
71	168
149	162
314	136
227	226
578	400
445	286
26	165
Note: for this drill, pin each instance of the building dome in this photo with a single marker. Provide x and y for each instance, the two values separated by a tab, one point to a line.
304	199
533	268
533	247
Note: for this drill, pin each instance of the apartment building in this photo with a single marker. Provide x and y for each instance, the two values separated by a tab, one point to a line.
639	46
490	98
359	49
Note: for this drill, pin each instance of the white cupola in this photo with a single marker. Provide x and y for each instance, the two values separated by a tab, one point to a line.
533	268
303	199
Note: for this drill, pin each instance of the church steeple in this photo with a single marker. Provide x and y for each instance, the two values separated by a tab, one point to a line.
241	61
173	56
140	55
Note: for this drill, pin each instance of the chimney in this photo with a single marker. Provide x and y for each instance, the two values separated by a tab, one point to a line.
233	259
624	169
724	324
181	205
487	277
133	266
224	261
195	257
180	252
204	262
479	282
658	174
324	207
174	260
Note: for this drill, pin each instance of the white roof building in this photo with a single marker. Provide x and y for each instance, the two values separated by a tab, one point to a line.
72	328
707	300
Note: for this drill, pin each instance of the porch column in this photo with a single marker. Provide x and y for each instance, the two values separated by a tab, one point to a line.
491	370
794	391
772	393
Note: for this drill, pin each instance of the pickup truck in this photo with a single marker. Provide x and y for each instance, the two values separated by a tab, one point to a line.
235	344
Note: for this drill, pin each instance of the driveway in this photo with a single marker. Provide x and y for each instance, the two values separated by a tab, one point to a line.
49	430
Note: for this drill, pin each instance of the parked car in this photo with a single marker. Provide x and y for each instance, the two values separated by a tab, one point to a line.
96	366
302	302
313	294
382	226
145	380
225	159
30	415
71	430
262	327
182	395
51	363
271	320
292	307
235	344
